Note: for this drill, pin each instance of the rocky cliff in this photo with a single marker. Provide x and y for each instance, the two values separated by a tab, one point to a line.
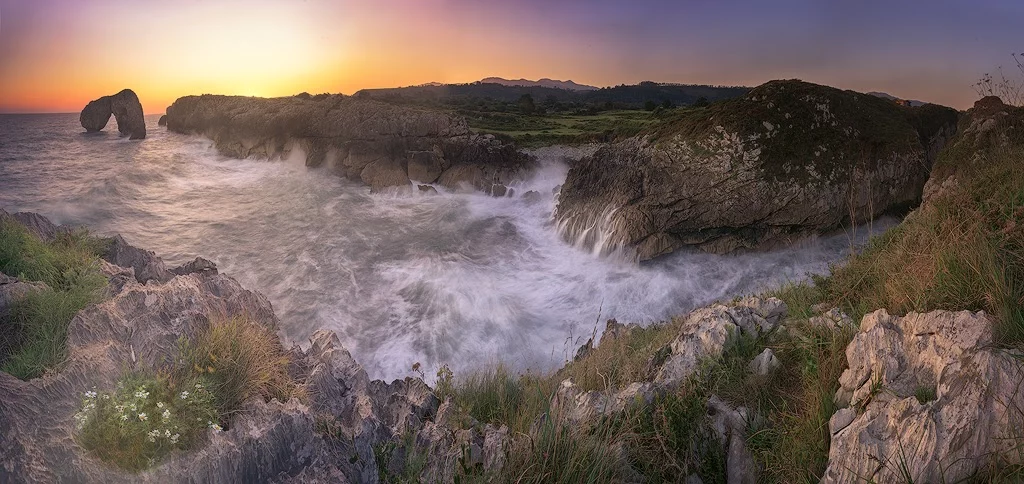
125	107
381	144
786	160
335	434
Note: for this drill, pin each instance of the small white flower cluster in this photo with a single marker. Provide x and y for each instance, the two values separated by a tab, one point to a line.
166	434
215	427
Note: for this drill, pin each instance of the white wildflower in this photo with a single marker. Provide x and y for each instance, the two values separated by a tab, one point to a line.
124	417
215	427
184	394
90	394
153	434
174	438
159	404
166	415
141	394
167	433
142	416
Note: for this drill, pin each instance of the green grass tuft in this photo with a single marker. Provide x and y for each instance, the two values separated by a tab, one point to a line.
35	338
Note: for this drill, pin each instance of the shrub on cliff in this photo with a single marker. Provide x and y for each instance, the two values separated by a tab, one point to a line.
35	335
155	412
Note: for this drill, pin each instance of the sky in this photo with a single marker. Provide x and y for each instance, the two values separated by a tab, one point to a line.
56	55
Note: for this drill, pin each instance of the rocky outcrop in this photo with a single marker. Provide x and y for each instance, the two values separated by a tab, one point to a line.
383	145
336	434
786	160
125	107
927	399
990	126
707	332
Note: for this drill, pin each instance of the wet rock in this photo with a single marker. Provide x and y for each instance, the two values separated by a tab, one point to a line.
972	422
427	190
125	107
532	196
162	121
425	166
147	266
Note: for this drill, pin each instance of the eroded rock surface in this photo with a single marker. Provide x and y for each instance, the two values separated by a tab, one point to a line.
786	160
125	107
926	396
385	146
333	436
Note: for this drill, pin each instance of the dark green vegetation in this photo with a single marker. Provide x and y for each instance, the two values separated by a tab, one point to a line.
480	96
34	335
156	411
536	116
858	129
559	128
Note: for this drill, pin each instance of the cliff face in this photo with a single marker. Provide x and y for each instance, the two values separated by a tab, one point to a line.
381	144
789	159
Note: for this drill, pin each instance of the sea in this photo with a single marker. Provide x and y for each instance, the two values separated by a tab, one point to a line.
463	280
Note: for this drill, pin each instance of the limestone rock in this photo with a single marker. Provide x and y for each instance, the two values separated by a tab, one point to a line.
782	162
708	331
973	421
731	426
125	107
576	406
764	363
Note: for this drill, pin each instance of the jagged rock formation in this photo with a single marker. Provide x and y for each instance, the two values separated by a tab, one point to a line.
928	399
333	436
125	107
383	145
786	160
990	123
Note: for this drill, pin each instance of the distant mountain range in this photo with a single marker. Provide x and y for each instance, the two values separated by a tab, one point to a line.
913	102
545	82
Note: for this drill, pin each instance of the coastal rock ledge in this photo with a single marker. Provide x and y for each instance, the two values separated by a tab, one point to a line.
125	107
383	145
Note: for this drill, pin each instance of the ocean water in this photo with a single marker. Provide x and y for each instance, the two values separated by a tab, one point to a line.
458	279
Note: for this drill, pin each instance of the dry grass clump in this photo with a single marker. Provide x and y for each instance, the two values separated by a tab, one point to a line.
239	359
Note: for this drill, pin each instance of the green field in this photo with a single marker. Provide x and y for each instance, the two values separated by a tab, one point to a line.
539	130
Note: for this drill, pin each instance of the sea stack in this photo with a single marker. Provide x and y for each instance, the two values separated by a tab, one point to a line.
125	107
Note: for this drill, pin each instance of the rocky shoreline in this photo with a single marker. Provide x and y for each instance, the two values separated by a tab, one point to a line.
335	434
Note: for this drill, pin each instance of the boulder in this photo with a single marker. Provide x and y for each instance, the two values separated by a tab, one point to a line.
929	399
162	121
787	160
707	332
125	107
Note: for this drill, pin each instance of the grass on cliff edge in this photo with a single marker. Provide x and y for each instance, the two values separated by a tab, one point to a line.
154	412
34	334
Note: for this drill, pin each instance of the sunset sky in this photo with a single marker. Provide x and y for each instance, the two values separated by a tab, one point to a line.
57	55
